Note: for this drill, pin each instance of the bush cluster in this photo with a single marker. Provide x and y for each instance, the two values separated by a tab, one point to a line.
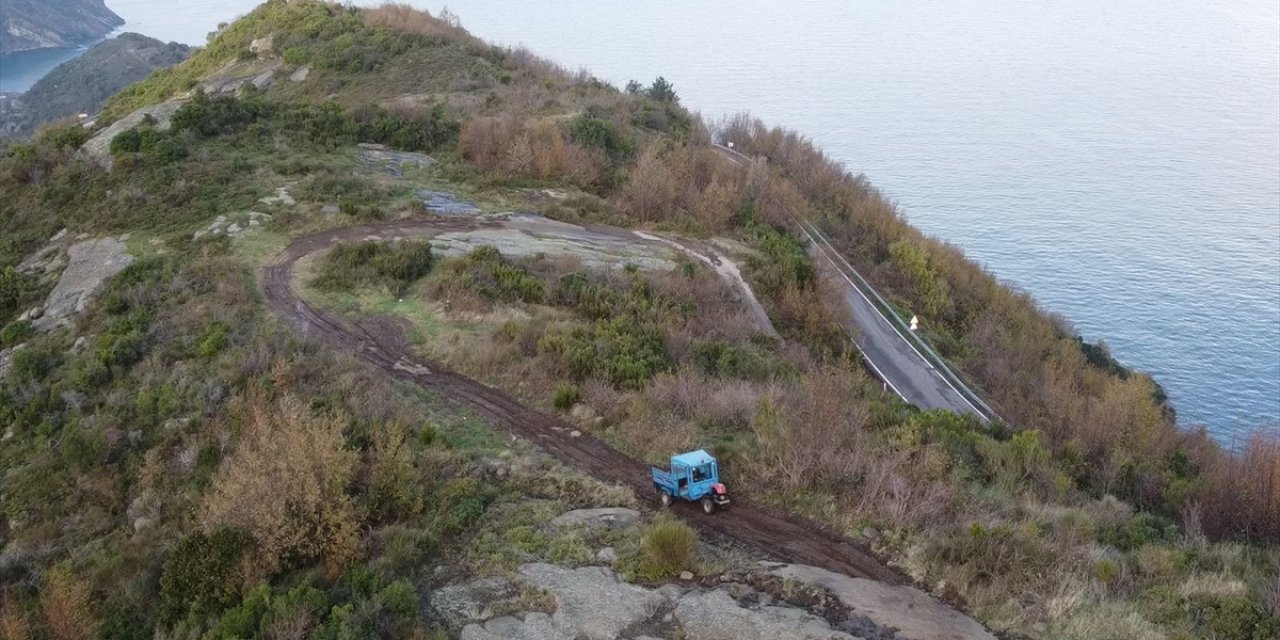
392	266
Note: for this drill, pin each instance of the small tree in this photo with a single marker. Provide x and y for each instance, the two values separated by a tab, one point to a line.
662	91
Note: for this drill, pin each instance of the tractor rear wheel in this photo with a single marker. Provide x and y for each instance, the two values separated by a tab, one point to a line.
708	507
665	498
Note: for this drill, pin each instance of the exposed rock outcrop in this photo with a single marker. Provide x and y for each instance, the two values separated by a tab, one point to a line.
89	264
98	148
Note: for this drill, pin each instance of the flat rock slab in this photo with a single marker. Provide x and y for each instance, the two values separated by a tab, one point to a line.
445	203
592	602
714	615
534	626
612	517
376	156
471	602
913	613
594	250
89	264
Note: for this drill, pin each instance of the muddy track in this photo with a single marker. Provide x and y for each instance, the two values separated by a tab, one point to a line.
382	342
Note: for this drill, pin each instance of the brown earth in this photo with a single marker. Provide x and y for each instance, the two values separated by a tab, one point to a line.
381	341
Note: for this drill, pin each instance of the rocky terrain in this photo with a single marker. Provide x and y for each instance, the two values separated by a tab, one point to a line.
40	24
83	85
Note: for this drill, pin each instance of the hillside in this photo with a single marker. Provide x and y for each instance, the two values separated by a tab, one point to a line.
84	84
40	24
352	325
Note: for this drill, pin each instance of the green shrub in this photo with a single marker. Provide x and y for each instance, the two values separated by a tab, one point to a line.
212	341
423	133
15	332
567	394
621	351
16	291
726	360
205	116
393	266
486	272
1227	617
668	547
1140	530
202	575
590	131
33	363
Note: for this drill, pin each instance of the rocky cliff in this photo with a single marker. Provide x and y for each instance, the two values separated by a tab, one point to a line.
40	24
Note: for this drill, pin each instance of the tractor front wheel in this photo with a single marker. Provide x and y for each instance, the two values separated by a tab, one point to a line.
665	498
708	507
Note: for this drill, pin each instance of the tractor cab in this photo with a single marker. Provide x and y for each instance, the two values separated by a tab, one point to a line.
693	476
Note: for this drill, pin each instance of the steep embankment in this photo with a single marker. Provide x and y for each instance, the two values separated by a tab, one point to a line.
41	24
84	84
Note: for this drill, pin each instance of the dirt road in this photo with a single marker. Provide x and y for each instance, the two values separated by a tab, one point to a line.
381	342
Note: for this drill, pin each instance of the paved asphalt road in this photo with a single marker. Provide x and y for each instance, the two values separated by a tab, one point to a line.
895	360
891	355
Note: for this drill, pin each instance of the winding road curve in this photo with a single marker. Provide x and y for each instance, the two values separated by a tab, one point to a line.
381	342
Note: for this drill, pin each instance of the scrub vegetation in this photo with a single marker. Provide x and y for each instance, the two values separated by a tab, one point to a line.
192	469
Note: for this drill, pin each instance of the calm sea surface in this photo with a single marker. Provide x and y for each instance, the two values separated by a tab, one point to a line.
1118	159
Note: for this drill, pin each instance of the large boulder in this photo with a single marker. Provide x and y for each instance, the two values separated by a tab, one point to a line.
713	615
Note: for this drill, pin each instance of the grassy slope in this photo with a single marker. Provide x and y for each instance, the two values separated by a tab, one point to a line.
149	419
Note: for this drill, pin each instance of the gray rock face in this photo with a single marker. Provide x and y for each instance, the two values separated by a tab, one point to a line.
89	263
471	602
591	602
445	203
915	614
715	616
6	360
610	517
534	626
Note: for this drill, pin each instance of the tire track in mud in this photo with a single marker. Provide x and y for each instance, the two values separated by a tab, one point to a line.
382	343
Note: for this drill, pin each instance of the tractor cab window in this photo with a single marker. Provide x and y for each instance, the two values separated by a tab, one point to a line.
701	472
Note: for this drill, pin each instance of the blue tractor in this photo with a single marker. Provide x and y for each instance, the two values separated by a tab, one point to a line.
694	477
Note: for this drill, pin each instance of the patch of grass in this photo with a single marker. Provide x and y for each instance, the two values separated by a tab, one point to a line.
667	548
567	395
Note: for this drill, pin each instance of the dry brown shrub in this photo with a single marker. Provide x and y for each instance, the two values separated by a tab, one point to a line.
549	149
68	612
656	435
587	168
717	204
286	485
893	489
606	399
13	623
402	17
1243	492
486	140
652	192
809	433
